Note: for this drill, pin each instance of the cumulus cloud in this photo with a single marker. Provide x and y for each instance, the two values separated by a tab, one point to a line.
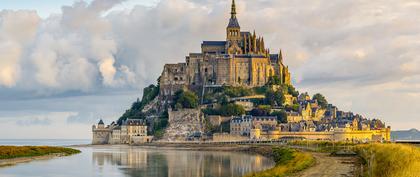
342	48
17	28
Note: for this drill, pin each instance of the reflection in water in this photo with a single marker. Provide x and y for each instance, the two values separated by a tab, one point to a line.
139	162
126	161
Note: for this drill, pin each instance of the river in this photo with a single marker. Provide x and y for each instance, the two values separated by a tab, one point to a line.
130	161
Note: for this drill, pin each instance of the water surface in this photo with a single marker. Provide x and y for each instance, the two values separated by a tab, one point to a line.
126	161
44	142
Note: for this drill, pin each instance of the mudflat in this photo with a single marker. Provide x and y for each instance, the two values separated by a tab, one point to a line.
14	161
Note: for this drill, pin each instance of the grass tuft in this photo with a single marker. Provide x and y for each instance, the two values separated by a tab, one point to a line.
390	160
10	152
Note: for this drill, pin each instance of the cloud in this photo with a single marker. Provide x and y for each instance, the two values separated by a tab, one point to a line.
34	122
83	118
17	28
359	54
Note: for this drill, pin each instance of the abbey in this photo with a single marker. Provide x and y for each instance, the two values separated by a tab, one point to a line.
238	87
241	60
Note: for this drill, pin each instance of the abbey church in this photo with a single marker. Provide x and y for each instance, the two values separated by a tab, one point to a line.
241	60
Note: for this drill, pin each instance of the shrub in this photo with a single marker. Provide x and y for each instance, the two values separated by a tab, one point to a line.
231	109
322	101
237	91
185	99
149	93
261	110
274	98
281	116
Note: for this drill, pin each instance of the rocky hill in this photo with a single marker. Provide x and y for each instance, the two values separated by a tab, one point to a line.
412	134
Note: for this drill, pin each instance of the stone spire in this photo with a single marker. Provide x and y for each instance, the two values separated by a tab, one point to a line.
233	21
280	56
233	29
233	11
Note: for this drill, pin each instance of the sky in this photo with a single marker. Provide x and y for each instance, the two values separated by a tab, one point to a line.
65	64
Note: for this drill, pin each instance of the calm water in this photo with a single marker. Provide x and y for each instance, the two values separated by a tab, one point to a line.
45	142
126	161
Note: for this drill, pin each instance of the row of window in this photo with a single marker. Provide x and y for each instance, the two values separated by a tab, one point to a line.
233	33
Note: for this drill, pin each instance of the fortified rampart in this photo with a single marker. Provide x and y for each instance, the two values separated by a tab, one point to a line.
336	135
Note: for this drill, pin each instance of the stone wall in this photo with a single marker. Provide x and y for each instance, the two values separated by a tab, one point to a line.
226	137
336	135
173	78
216	120
184	123
101	136
137	140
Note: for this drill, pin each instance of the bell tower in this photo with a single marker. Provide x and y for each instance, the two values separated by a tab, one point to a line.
233	29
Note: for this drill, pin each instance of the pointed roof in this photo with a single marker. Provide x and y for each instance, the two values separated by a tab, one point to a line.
233	10
281	56
233	21
101	122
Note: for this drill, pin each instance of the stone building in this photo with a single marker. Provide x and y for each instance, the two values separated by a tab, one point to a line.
132	131
244	125
241	125
241	60
101	134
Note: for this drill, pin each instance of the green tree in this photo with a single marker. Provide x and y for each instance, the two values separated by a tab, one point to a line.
236	91
281	116
294	107
274	80
292	90
231	109
261	110
274	98
322	101
185	99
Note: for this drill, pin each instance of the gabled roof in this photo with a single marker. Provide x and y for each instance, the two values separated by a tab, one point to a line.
214	43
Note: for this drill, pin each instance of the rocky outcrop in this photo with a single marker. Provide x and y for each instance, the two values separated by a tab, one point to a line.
184	124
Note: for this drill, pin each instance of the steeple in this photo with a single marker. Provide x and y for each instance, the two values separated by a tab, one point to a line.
233	21
233	10
233	29
280	56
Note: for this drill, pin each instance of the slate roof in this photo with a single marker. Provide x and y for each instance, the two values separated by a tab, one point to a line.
214	43
233	23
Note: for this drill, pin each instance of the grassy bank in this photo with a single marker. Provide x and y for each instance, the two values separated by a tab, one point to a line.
10	152
320	146
390	160
287	161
